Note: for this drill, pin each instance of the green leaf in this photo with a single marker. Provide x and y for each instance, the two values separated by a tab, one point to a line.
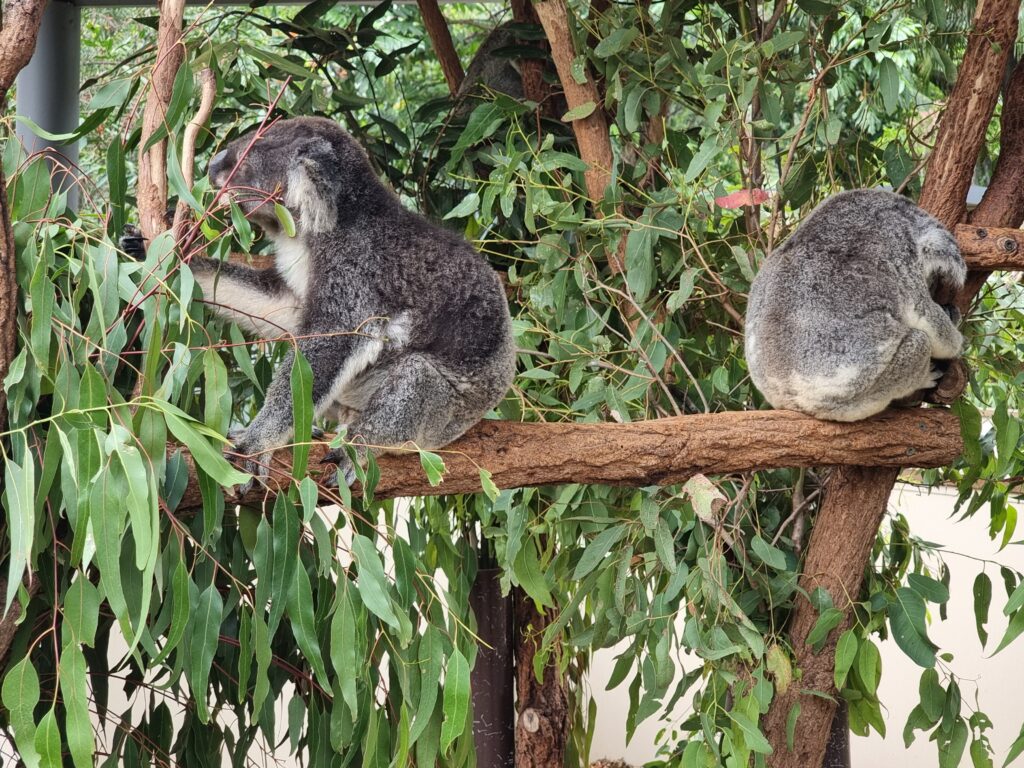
579	112
488	486
868	664
982	601
180	604
302	413
284	217
372	583
19	483
619	39
928	588
469	205
73	690
455	702
769	555
931	694
430	655
285	558
1013	630
300	609
1015	749
970	430
754	738
827	621
433	466
212	462
343	648
846	652
907	621
889	84
47	742
597	550
81	612
205	631
20	694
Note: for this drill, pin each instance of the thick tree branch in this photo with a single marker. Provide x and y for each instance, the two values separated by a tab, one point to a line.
441	41
152	187
591	131
657	452
18	33
208	93
1003	203
969	110
856	497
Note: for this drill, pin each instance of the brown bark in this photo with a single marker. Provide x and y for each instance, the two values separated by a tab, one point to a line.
441	41
856	497
152	186
841	540
542	705
531	70
8	624
592	136
208	93
657	452
990	248
1003	202
969	110
18	33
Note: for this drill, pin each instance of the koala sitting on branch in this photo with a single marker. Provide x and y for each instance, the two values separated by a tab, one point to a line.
404	325
841	320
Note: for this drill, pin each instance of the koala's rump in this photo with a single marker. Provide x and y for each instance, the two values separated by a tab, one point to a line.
822	335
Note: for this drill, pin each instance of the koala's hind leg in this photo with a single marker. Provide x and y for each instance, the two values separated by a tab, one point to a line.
937	323
413	402
909	370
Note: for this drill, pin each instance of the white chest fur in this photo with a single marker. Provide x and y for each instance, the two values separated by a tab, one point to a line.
292	259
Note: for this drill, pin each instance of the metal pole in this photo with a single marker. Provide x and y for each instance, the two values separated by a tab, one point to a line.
48	90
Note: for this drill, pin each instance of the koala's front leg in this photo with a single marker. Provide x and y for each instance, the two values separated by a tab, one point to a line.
256	299
273	426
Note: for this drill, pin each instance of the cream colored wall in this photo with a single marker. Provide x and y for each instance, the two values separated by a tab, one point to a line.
998	681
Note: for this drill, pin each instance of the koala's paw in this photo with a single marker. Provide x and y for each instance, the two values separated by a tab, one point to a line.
934	375
248	457
132	243
954	313
346	470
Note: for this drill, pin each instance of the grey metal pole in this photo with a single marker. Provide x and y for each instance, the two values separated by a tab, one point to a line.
48	89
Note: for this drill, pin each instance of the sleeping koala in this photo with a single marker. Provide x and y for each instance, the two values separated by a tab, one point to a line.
405	326
841	321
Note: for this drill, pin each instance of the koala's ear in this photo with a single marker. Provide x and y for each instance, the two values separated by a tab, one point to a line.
308	192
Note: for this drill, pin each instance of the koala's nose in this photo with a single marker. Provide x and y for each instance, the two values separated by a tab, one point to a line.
220	166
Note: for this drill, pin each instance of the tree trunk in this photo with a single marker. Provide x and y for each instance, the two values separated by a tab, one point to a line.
542	705
856	497
441	41
492	681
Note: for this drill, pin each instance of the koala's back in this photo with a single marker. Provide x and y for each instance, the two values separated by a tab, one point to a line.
830	308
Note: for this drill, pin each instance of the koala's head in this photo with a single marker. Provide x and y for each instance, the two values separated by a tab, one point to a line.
309	164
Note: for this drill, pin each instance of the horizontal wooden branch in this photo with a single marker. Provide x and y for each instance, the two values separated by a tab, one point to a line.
657	452
991	248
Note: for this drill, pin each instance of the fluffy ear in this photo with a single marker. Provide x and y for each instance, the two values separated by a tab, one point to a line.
941	262
308	192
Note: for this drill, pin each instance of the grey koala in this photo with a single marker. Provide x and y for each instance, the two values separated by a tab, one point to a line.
490	72
841	320
405	326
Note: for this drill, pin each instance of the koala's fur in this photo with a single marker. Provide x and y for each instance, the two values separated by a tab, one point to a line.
405	326
490	72
841	321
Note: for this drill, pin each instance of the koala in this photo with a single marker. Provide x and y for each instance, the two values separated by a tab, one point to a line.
841	320
405	326
490	72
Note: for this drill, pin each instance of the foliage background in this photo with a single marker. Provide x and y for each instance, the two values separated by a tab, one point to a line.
254	627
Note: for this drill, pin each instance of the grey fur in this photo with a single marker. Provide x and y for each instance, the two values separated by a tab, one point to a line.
405	326
841	321
488	72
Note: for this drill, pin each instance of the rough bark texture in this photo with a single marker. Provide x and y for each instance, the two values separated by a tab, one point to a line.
542	705
531	70
492	681
592	137
152	186
20	28
208	93
988	248
441	42
1003	203
8	625
856	497
839	547
969	110
656	452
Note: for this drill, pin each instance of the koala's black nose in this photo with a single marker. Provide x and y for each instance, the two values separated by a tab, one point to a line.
220	166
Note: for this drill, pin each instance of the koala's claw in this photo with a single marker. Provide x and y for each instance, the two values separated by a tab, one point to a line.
339	458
